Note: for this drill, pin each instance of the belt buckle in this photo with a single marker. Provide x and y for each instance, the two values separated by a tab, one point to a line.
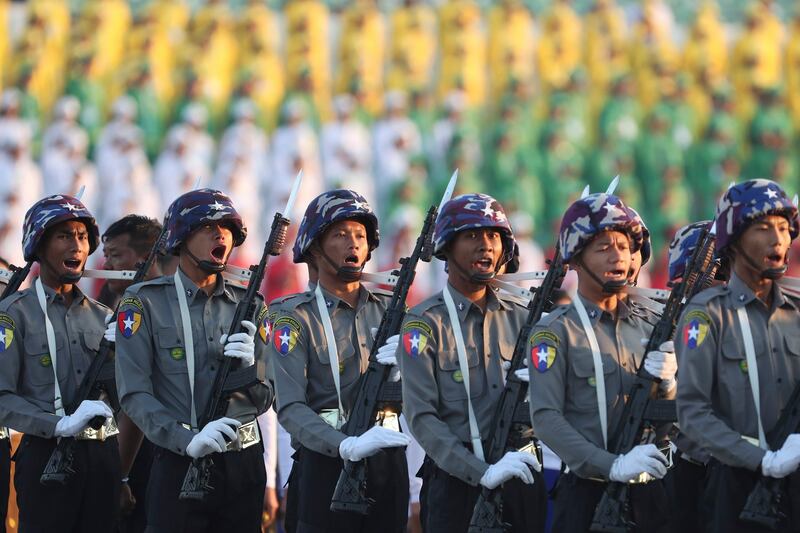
533	448
332	418
247	435
388	419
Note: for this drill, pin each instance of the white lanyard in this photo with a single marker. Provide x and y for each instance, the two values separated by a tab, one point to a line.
455	323
333	351
188	341
51	346
597	361
752	371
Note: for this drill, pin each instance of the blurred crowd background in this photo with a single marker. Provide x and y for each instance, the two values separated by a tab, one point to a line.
530	100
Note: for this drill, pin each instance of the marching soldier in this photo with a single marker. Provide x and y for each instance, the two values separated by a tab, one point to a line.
5	447
738	356
453	348
320	345
50	334
583	357
171	340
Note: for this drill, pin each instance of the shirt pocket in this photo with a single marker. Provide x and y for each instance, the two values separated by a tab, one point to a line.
451	378
91	339
582	383
171	353
39	360
349	366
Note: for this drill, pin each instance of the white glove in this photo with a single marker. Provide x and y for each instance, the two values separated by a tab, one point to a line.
387	354
241	345
71	425
512	464
212	437
356	448
642	459
783	462
662	364
111	329
521	373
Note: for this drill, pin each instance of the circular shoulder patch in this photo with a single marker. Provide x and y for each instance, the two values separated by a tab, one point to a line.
543	347
416	335
695	329
285	332
7	328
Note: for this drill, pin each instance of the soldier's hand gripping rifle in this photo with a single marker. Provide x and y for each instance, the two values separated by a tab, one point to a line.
351	492
487	516
99	379
228	379
642	411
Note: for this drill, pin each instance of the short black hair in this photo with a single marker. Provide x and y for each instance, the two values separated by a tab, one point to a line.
141	230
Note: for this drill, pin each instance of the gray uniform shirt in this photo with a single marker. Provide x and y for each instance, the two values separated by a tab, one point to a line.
434	397
562	389
152	376
301	366
715	400
26	376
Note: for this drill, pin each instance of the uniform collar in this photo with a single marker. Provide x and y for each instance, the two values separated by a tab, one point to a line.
742	295
192	290
332	301
463	304
594	312
52	296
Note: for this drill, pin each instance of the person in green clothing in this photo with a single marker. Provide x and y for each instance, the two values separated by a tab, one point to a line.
570	108
561	172
769	135
681	114
655	148
608	160
620	116
91	94
151	111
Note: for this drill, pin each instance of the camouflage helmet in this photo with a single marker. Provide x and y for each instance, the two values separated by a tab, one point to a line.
646	248
472	211
197	208
330	207
745	203
49	212
682	247
592	215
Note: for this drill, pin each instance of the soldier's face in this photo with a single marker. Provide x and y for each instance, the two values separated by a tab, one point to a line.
766	241
477	251
346	244
608	256
65	249
119	256
211	242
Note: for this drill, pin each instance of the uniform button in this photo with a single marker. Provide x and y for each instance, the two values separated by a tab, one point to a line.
741	297
494	385
363	344
211	339
779	380
213	368
74	342
79	371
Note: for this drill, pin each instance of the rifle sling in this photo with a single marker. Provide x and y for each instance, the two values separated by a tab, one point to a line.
752	371
599	376
58	401
333	351
188	341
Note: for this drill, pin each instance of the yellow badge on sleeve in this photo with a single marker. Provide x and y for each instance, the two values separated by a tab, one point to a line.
695	329
285	333
543	350
6	332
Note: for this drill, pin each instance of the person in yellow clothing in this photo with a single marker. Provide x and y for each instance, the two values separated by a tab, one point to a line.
258	30
559	49
308	66
792	66
412	50
361	53
604	51
653	53
463	61
511	46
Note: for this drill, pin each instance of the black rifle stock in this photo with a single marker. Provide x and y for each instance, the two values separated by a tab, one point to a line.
487	516
18	276
351	493
642	411
197	483
99	378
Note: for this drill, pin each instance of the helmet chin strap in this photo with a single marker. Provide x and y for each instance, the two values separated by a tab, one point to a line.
765	273
476	278
348	274
66	279
608	287
210	267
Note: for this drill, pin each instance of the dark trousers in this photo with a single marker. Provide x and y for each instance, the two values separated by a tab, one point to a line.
136	522
726	492
685	484
5	480
88	502
575	500
314	477
239	480
447	502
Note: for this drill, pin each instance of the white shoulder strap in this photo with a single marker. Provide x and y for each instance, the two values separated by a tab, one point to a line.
597	361
333	351
455	323
58	402
188	341
752	371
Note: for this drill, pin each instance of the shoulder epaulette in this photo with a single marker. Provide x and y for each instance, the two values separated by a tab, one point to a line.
296	298
427	304
377	291
705	296
559	311
155	282
14	297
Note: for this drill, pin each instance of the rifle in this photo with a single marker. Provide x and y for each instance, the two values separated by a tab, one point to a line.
18	275
228	380
642	412
99	378
487	516
351	492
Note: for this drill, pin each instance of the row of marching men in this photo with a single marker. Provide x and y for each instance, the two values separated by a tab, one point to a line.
731	368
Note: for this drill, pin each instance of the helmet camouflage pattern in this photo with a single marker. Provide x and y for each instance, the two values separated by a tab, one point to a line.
746	202
330	207
646	248
472	211
197	208
592	215
682	247
49	212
